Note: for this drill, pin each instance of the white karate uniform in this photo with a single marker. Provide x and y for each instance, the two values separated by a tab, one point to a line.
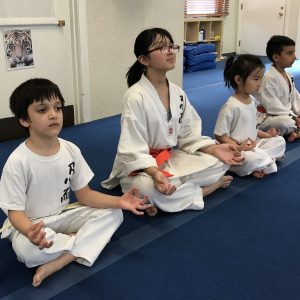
40	186
238	121
145	126
280	101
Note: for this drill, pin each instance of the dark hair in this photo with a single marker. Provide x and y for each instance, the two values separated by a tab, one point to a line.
276	43
142	44
32	90
241	65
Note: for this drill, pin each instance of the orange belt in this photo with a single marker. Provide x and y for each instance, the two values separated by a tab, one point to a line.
161	156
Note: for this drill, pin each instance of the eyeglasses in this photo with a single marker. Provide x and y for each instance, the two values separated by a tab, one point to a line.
165	49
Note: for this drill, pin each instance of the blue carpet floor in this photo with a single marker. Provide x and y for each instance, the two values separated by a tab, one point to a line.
243	245
241	249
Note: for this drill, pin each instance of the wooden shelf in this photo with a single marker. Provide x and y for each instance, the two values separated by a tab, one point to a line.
213	28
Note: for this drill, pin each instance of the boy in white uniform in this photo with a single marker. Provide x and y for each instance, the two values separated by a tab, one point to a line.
278	95
35	188
156	118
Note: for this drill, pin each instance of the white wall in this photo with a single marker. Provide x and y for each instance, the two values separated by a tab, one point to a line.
298	37
112	29
292	11
52	58
230	28
159	14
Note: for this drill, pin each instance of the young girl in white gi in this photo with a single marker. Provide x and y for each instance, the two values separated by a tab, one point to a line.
236	123
35	188
156	118
278	95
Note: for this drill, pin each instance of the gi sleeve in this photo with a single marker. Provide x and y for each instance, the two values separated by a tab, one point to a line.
224	121
12	188
81	172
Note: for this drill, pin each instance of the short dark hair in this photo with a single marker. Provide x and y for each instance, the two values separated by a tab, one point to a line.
241	65
32	90
276	43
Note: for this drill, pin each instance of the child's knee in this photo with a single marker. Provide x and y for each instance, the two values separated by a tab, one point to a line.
144	183
26	251
32	256
117	215
112	215
281	141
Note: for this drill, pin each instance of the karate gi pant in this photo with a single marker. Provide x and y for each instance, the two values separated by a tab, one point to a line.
188	194
93	229
284	124
262	157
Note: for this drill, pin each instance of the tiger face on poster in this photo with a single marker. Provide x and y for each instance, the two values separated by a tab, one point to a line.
18	49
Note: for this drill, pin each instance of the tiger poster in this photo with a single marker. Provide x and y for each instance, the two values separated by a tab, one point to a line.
18	49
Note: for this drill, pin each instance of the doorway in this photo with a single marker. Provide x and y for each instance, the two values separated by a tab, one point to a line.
258	20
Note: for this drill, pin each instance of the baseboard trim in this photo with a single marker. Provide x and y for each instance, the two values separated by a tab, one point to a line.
228	54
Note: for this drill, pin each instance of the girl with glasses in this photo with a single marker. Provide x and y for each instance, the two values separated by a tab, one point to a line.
161	150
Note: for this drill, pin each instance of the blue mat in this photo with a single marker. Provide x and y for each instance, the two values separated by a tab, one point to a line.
244	245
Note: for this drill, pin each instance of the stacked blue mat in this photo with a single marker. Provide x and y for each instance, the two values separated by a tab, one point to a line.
199	57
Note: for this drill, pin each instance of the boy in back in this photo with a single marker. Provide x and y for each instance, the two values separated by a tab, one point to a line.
278	95
45	230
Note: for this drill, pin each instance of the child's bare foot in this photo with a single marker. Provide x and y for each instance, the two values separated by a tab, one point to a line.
294	135
151	211
223	182
258	174
51	267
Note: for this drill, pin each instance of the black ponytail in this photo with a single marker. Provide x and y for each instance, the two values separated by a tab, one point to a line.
135	73
227	71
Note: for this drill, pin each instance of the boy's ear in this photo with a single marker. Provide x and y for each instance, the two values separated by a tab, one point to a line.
275	57
24	123
143	60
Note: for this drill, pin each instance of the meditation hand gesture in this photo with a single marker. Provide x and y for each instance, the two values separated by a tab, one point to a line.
131	201
228	153
36	235
272	132
247	145
162	184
